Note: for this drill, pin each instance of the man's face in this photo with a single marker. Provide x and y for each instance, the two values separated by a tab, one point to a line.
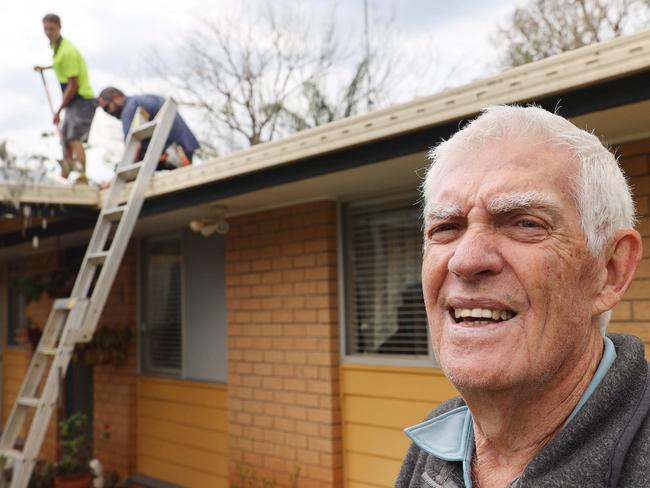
503	242
52	31
112	106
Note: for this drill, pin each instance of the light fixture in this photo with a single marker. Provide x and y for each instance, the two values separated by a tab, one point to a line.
196	225
215	222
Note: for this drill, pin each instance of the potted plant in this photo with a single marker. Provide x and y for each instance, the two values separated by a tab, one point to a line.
72	469
109	345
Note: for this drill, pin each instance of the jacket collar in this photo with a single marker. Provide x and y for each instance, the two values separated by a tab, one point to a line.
450	436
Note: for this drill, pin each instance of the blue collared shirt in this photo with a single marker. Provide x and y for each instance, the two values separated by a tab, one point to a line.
450	436
180	133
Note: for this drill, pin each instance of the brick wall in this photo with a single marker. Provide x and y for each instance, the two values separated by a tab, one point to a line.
115	385
632	315
283	349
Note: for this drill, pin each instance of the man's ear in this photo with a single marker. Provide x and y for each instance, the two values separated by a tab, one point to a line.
624	254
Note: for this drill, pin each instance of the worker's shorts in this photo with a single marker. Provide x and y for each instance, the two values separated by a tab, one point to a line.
78	117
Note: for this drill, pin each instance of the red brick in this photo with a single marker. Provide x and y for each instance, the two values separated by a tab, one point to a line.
283	323
272	278
285	370
304	261
282	316
291	384
307	400
298	357
304	316
295	412
284	424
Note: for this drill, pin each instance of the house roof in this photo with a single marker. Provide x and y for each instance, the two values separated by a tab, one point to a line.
597	77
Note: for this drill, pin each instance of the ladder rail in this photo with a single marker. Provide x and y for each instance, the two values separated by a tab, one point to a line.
75	319
127	223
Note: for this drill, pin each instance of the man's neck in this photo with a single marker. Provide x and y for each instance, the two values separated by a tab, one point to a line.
511	427
56	43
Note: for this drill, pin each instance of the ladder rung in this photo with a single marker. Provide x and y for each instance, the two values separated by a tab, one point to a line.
12	454
97	257
129	172
28	401
114	214
48	351
64	303
145	130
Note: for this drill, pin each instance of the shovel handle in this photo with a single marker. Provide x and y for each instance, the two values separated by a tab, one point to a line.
49	102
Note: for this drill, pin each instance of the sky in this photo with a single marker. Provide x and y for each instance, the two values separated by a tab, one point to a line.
116	38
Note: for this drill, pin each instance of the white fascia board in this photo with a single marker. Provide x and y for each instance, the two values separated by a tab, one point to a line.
49	194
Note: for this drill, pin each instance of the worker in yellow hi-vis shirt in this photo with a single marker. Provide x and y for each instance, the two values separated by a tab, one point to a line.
78	98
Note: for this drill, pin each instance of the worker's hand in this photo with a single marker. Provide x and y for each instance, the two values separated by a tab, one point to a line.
39	68
56	118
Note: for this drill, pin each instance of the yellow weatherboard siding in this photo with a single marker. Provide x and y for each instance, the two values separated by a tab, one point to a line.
377	403
183	432
16	362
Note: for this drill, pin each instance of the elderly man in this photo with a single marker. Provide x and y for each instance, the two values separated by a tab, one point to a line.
528	245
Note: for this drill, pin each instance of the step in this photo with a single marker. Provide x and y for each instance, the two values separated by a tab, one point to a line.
114	214
144	131
28	402
129	172
64	303
97	258
12	454
48	351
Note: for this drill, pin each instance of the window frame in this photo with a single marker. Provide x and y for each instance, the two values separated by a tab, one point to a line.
141	281
345	288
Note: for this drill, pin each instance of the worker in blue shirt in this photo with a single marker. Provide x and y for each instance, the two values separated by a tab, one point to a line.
181	143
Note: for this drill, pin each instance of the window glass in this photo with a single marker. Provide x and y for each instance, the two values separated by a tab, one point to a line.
161	328
383	247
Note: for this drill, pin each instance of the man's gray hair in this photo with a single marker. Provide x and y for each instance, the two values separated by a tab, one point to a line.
600	190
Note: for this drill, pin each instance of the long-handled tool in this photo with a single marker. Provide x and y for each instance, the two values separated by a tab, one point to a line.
65	165
49	102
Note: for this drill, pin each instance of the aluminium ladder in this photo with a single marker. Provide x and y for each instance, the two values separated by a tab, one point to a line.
75	318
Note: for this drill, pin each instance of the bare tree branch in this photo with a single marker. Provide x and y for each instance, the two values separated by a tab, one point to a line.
263	74
543	28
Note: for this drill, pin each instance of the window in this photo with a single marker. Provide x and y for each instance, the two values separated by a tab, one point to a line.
385	308
161	324
182	310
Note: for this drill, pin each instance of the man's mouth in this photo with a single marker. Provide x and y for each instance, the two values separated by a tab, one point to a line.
480	316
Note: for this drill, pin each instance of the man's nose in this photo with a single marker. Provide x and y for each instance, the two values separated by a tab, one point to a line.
477	255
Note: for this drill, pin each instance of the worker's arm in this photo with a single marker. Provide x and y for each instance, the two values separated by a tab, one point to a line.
42	68
68	96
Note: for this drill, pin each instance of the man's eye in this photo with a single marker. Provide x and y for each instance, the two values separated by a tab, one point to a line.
444	228
441	230
528	223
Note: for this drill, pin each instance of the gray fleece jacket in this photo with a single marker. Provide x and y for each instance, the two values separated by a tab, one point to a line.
607	444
